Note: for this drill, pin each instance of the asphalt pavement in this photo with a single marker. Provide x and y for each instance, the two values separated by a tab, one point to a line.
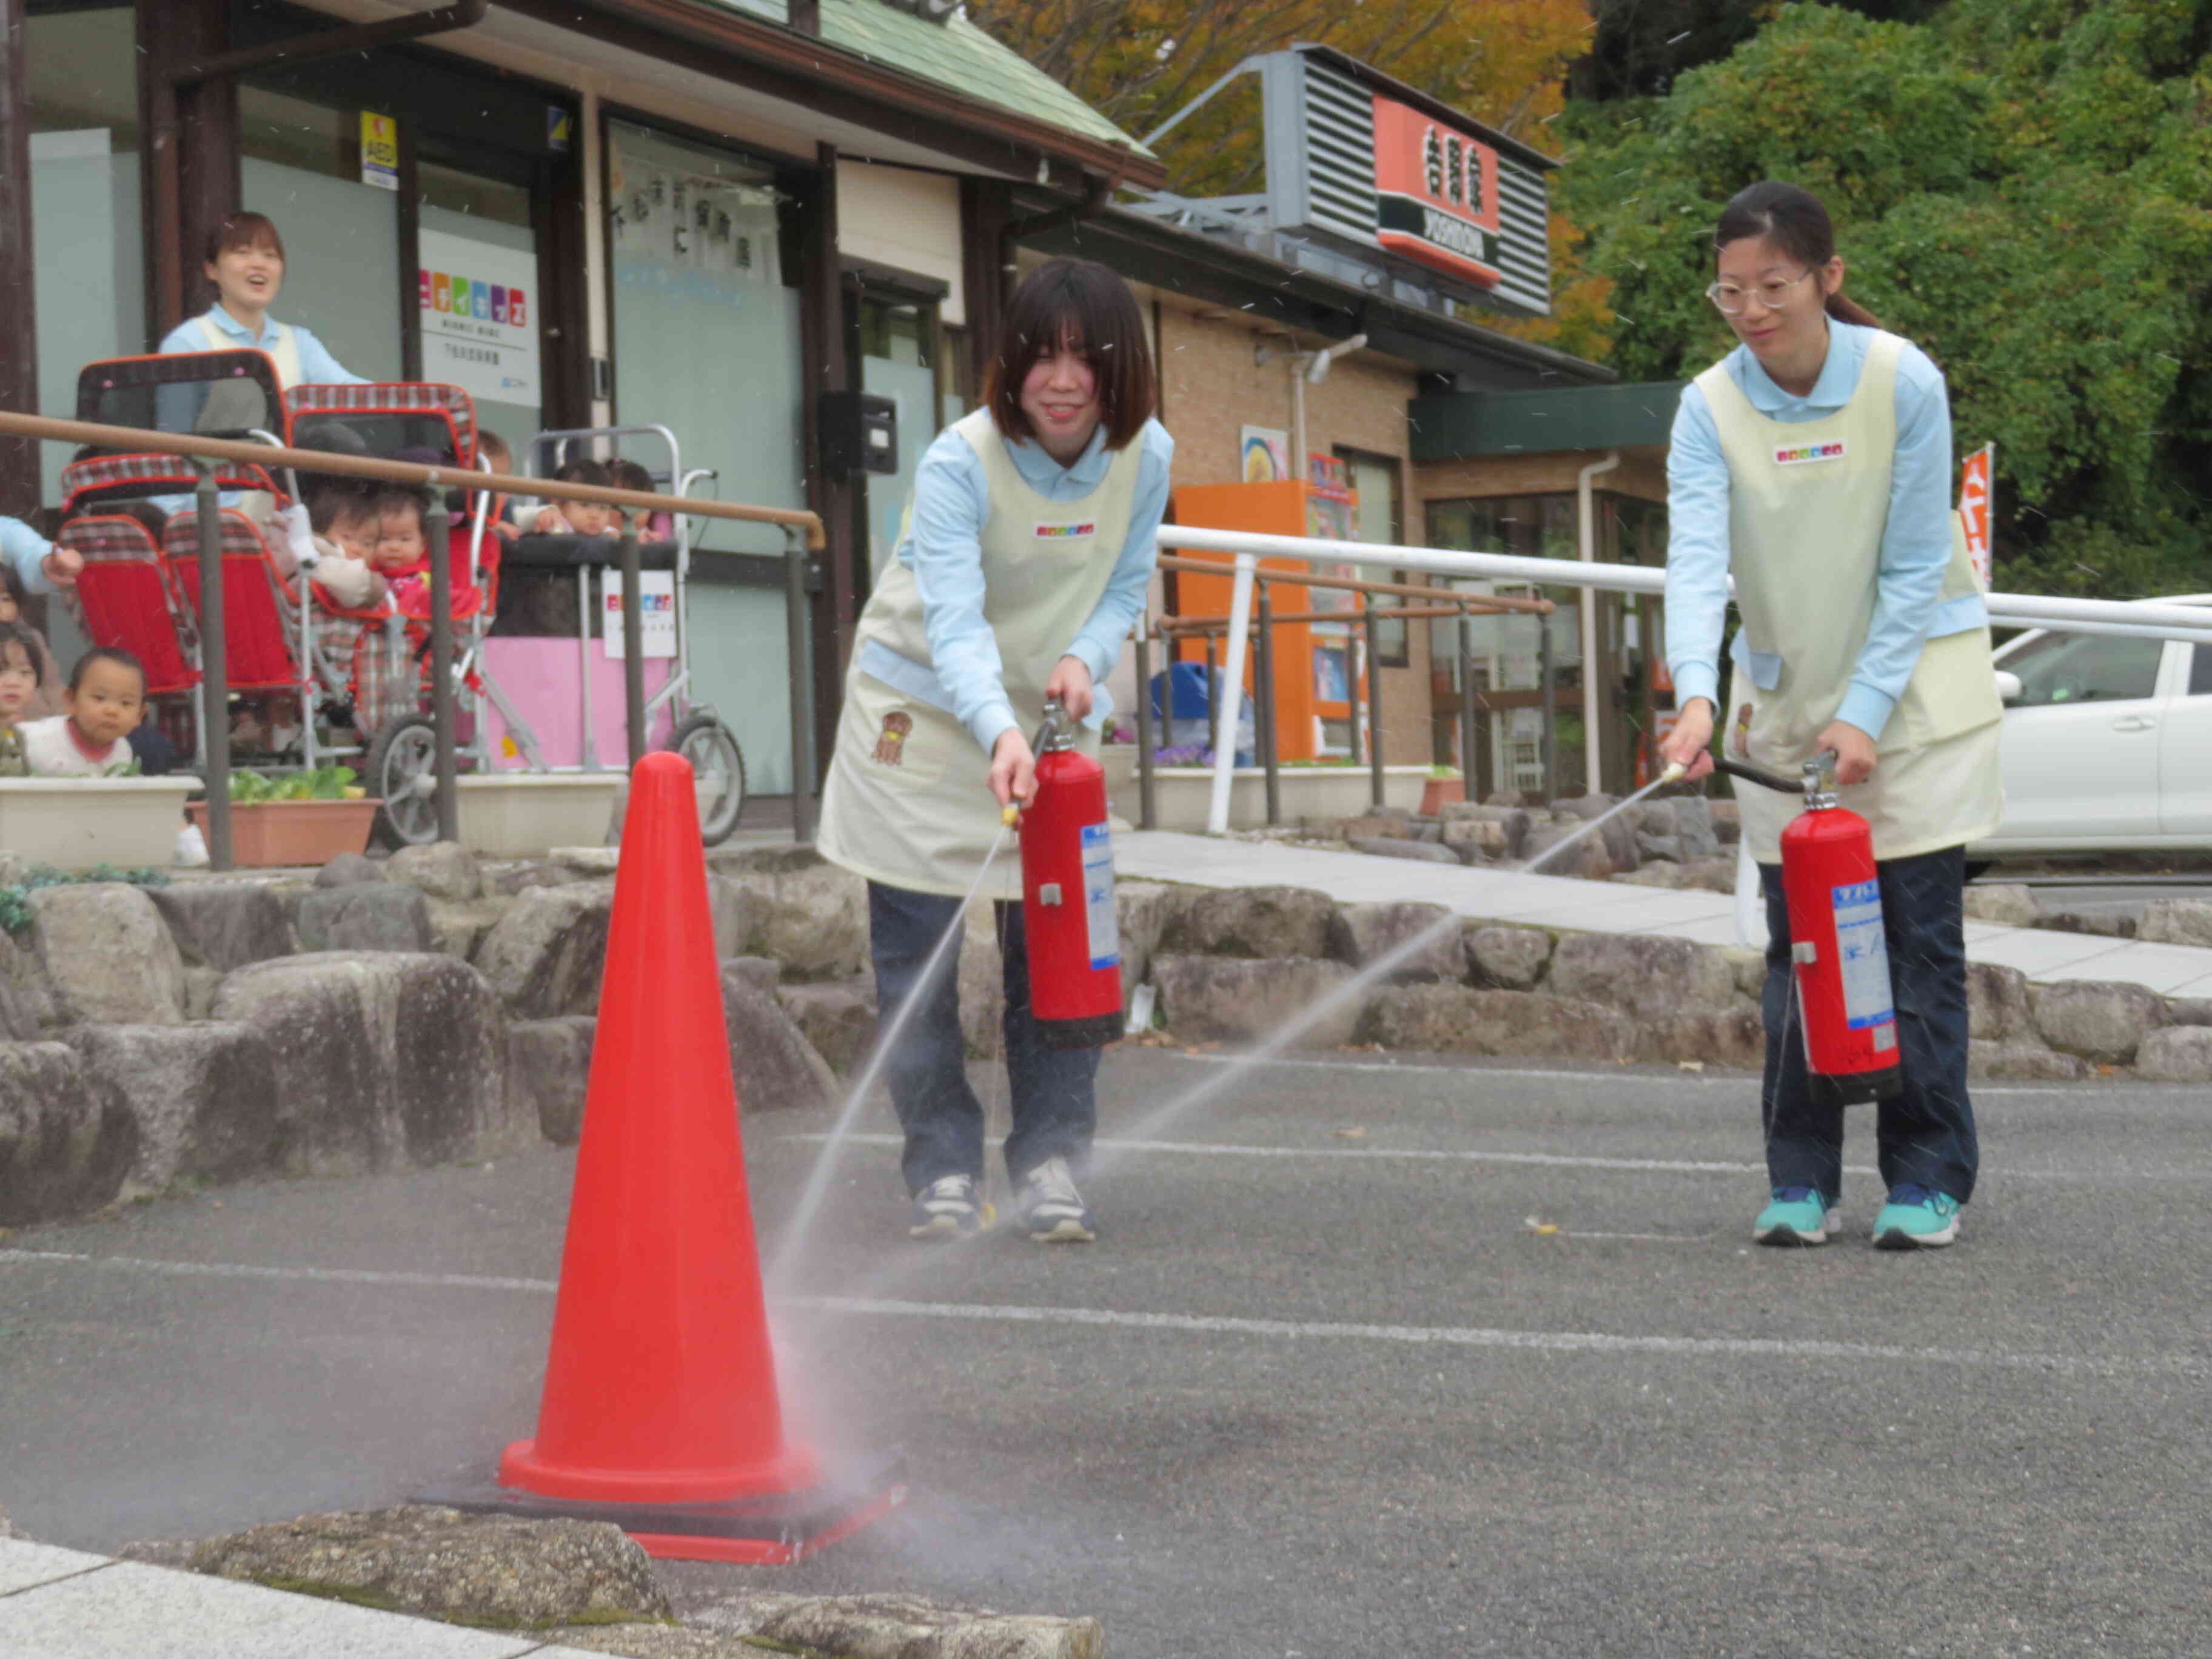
1373	1358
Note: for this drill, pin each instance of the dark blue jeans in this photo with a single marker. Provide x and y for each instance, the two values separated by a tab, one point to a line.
1054	1099
1925	1134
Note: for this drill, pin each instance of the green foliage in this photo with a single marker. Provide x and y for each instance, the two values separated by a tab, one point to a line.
2018	185
15	900
259	788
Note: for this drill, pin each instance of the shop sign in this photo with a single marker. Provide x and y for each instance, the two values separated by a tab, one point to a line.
380	151
656	612
476	302
1436	193
1974	509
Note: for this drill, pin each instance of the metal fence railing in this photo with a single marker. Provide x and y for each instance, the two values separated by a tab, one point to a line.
2138	618
802	533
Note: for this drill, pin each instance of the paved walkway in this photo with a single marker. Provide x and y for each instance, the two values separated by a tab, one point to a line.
1600	906
65	1604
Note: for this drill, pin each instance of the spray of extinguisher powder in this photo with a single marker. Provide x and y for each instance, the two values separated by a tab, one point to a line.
1067	894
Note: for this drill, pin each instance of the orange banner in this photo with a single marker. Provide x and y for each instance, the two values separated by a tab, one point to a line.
1974	508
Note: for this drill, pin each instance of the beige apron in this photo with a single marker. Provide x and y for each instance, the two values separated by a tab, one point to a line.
908	802
283	350
1808	504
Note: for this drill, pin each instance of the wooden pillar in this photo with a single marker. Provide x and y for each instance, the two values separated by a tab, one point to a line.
827	368
986	208
19	322
188	150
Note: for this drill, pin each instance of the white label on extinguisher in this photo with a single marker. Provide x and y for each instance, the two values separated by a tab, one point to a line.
1098	896
1862	955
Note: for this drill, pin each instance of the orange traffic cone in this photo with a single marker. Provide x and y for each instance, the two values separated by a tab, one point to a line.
660	1411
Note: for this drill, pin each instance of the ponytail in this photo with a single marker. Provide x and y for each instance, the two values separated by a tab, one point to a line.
1796	222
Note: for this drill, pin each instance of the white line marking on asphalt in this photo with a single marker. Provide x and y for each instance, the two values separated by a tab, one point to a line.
1216	1324
1694	1079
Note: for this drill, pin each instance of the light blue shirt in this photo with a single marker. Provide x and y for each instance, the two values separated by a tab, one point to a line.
24	547
943	547
1916	541
316	365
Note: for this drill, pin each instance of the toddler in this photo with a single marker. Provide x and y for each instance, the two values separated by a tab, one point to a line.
107	695
492	450
579	518
651	526
46	698
344	523
19	680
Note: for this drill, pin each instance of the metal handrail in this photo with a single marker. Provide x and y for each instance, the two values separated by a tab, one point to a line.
2133	618
803	536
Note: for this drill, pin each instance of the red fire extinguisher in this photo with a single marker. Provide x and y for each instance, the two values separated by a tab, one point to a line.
1836	946
1067	894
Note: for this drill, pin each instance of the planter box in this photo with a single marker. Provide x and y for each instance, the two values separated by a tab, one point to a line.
521	814
1440	791
1182	795
294	832
73	823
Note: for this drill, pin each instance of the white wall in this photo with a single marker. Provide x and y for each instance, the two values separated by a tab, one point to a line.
898	216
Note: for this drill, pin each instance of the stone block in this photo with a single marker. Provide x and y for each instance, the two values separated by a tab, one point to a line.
1391	847
549	1066
1512	821
1732	1038
2103	923
109	955
201	984
1238	1000
1505	797
544	956
443	870
526	876
1642	975
1485	835
2027	1061
1141	913
1458	1019
838	1020
2177	1054
225	924
2176	922
67	1143
27	1003
2189	1010
731	908
1712	875
772	1063
1252	921
1424	938
1650	846
899	1627
348	870
378	916
489	1571
1506	958
459	929
812	918
1590	858
764	972
1655	873
2101	1020
381	1059
1997	1003
2007	904
1748	968
203	1097
1388	824
1694	829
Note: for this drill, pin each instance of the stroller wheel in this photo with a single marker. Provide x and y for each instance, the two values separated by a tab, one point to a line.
401	769
719	767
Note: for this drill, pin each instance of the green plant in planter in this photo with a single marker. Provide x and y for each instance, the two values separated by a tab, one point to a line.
322	783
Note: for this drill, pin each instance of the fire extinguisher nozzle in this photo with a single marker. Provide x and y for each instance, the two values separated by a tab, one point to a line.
1010	815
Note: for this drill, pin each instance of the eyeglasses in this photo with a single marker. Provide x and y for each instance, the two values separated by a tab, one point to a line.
1729	298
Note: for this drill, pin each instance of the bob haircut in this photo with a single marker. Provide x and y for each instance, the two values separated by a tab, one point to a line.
242	230
1083	305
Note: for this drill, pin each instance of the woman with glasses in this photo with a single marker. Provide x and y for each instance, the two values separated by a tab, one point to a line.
1813	464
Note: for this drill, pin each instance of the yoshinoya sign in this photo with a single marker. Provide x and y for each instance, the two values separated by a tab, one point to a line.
1436	193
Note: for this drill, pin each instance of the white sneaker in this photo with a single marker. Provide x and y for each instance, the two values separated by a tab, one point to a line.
192	847
1052	1208
947	1208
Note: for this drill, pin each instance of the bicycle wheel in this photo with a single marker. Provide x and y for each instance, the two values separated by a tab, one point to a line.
401	769
719	767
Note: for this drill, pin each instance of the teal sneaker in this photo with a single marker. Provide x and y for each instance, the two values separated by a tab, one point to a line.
1916	1218
1797	1215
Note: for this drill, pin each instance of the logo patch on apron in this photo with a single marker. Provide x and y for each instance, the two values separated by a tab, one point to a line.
1055	531
1798	454
891	743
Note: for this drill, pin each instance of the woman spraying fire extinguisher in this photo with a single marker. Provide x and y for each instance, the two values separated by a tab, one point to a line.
1026	553
1813	464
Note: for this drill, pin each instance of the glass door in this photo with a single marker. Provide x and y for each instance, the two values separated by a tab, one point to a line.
898	361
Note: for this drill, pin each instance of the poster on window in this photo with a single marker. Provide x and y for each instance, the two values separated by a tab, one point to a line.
673	223
478	304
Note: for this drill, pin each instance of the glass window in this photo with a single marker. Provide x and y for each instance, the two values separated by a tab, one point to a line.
302	168
897	362
1375	477
87	272
2070	668
2200	670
